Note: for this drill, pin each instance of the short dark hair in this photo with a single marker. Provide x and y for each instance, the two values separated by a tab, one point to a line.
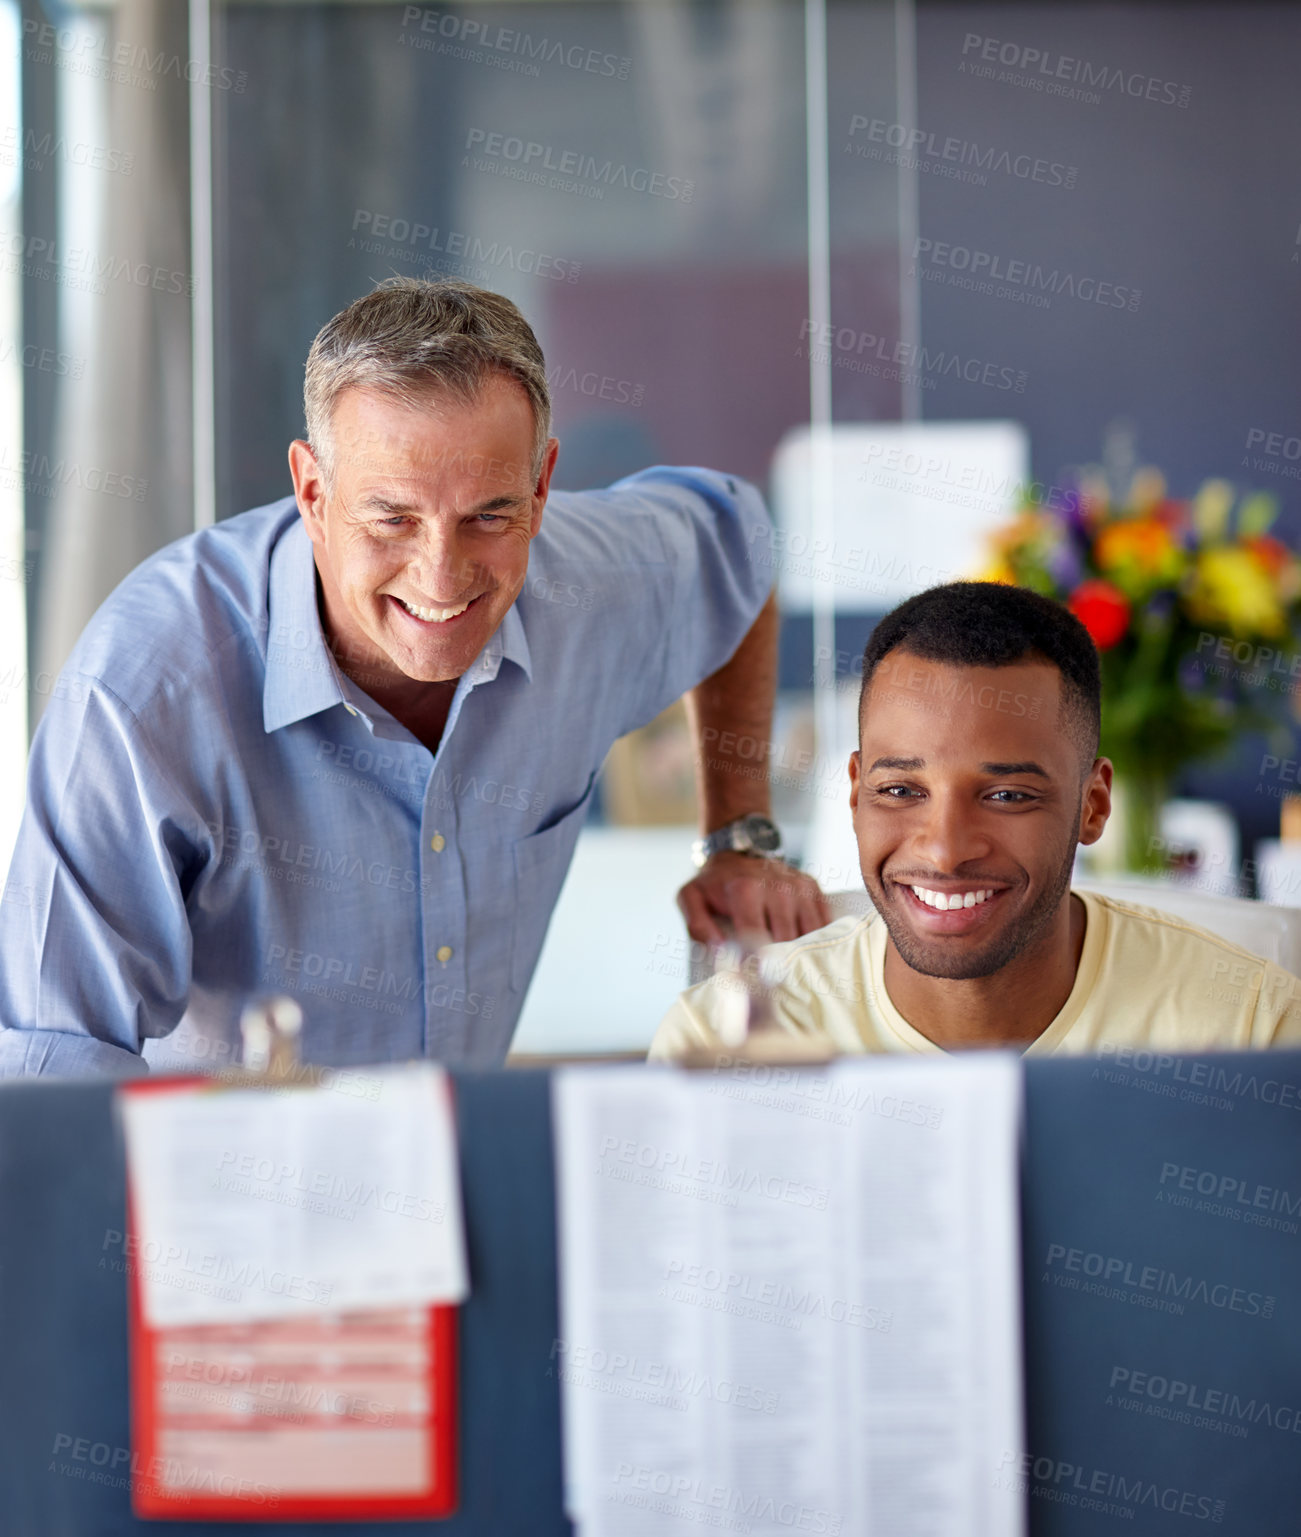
990	624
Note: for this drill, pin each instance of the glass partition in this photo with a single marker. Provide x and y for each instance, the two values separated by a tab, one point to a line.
748	233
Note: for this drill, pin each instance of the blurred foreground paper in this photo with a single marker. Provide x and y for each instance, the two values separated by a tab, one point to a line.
271	1203
286	1246
790	1299
343	1416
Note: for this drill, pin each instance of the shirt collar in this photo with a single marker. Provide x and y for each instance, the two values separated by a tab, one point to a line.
508	643
302	678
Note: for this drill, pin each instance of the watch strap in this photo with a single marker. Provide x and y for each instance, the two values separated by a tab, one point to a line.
735	836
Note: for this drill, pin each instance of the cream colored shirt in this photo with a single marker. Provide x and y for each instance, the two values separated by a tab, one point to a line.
1145	980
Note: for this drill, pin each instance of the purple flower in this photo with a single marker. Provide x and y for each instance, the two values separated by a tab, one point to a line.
1072	513
1065	565
1191	674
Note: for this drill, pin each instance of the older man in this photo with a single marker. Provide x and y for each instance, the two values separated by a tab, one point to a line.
343	745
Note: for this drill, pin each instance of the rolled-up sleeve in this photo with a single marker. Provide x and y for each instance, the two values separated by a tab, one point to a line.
716	535
94	934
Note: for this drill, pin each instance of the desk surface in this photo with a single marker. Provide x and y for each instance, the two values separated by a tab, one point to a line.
1115	1279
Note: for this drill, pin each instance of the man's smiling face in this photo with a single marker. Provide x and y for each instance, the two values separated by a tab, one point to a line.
966	794
422	538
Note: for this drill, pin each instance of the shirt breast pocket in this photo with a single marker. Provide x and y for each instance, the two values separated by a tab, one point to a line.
541	861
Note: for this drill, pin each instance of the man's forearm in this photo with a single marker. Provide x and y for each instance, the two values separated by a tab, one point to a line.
731	725
731	720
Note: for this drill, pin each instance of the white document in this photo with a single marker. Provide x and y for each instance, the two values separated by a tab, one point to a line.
265	1203
790	1299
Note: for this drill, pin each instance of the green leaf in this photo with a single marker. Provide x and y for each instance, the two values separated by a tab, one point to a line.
1256	514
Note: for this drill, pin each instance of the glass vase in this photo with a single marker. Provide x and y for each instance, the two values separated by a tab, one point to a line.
1142	795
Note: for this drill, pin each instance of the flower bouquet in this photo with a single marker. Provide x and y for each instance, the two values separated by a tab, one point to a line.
1193	606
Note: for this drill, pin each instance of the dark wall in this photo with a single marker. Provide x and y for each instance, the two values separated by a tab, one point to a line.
1192	212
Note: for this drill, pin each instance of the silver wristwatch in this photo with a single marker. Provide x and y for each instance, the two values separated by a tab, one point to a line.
752	834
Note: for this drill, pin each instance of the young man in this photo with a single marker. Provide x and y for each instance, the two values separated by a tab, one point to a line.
976	777
343	745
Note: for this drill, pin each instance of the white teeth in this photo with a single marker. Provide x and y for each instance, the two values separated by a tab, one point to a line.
947	902
437	615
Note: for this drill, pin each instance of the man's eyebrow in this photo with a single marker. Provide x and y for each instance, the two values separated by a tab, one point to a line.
1001	769
897	763
998	770
383	503
498	504
377	499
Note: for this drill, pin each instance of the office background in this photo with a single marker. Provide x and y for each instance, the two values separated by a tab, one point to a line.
189	192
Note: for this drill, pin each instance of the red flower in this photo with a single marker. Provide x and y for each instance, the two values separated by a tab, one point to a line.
1272	553
1102	610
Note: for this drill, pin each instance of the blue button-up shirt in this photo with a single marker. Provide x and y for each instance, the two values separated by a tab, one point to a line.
216	811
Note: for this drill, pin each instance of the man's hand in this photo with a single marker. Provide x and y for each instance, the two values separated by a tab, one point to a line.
751	895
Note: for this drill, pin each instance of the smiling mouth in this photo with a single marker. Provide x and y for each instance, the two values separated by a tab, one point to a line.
434	615
951	901
954	911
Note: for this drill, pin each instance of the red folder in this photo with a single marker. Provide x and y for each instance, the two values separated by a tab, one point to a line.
328	1416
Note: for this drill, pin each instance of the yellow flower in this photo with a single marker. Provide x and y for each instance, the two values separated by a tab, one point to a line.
1146	490
1211	509
1143	541
1026	527
1231	588
1138	554
1095	495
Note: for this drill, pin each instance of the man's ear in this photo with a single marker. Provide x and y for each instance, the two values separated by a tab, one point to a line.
855	764
1095	806
309	487
543	486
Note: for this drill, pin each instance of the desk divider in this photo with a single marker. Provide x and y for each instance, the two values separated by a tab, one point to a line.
1162	1296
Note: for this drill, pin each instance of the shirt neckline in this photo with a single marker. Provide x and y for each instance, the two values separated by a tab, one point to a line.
907	1037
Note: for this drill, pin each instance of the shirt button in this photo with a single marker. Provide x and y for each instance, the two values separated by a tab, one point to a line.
444	953
438	843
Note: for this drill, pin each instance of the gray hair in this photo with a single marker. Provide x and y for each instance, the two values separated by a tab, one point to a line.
411	338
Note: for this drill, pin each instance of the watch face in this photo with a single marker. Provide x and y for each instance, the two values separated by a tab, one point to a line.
762	833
